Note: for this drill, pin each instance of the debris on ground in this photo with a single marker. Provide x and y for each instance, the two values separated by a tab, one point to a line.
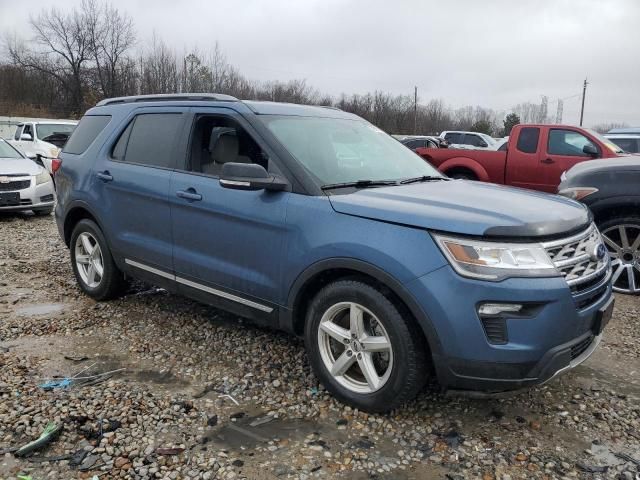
48	434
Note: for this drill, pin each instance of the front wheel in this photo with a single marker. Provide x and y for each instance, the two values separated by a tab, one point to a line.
94	268
621	235
363	350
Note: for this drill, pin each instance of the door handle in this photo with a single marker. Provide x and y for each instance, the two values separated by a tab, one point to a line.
189	194
548	161
105	176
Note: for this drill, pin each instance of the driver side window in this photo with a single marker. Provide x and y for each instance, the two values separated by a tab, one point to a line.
568	142
217	140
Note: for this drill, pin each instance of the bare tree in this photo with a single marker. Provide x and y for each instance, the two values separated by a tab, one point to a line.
61	51
111	36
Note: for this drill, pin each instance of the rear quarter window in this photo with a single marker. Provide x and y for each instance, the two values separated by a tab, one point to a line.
85	133
528	140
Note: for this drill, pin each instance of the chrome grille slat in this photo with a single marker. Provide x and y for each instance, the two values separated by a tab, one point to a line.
572	257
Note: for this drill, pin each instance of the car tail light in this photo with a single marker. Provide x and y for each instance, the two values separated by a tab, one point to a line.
56	163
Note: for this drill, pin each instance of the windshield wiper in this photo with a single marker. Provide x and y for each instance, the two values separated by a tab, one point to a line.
423	178
360	184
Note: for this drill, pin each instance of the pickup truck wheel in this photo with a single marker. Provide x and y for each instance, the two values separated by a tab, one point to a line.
621	235
462	174
93	266
363	350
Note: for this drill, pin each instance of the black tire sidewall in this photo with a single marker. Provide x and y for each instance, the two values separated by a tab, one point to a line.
110	278
616	220
402	383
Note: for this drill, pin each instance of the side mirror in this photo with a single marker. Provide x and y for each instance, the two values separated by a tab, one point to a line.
590	150
250	176
26	137
484	144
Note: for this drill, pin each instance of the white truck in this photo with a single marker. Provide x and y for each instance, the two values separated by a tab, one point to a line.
41	140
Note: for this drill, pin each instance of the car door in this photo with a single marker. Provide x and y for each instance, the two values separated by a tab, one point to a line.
563	150
228	244
131	183
522	167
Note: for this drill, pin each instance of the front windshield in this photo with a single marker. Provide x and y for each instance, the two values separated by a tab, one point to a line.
337	150
7	151
45	130
606	141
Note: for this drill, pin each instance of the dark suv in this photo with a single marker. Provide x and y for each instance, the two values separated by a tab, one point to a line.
311	220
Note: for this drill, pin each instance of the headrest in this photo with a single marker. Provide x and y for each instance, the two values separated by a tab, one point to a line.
225	149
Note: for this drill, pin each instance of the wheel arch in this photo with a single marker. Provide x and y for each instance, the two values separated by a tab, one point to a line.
459	163
615	207
321	273
78	211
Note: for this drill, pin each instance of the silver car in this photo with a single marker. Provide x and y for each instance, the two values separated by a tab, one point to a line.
24	185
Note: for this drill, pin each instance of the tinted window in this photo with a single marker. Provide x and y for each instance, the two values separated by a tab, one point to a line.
152	139
568	142
453	137
16	136
503	147
528	140
474	140
85	133
629	145
414	144
121	146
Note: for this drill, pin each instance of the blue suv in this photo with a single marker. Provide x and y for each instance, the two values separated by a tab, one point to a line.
311	220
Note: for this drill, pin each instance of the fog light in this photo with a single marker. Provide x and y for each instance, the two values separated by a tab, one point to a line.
493	309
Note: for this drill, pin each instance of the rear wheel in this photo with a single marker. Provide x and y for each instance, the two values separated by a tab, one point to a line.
621	235
363	350
94	268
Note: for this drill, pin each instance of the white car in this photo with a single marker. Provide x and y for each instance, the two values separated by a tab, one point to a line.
628	139
471	140
24	185
42	139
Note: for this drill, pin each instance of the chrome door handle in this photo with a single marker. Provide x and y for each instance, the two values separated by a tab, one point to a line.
105	176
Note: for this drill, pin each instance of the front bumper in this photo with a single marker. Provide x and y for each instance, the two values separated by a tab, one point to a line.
33	197
563	333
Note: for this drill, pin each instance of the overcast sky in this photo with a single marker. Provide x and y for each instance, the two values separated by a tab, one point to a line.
468	52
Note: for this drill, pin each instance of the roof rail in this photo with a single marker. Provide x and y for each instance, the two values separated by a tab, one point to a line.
169	97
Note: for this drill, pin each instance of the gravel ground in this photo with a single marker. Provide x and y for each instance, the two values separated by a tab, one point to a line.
203	394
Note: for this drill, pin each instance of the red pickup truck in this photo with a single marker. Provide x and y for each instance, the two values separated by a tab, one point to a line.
535	158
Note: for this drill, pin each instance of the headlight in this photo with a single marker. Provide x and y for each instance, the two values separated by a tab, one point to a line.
43	177
577	193
53	152
495	260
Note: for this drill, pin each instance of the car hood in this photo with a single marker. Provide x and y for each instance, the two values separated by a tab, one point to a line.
467	208
619	164
13	166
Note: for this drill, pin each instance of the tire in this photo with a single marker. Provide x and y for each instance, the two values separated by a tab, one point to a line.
401	370
462	175
111	284
624	250
43	211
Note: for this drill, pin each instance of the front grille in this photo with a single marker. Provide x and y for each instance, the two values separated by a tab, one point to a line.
14	185
574	258
581	347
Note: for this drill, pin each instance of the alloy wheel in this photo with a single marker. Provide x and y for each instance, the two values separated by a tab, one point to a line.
89	261
355	347
623	243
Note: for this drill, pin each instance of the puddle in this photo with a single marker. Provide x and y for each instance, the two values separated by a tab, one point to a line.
239	435
40	309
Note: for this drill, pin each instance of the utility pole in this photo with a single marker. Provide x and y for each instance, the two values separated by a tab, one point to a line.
415	111
584	92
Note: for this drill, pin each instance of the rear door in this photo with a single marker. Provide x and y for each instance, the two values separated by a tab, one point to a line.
131	180
228	244
523	168
563	149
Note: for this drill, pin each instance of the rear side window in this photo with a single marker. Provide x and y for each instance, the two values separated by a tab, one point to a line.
474	140
453	137
85	133
150	140
528	140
